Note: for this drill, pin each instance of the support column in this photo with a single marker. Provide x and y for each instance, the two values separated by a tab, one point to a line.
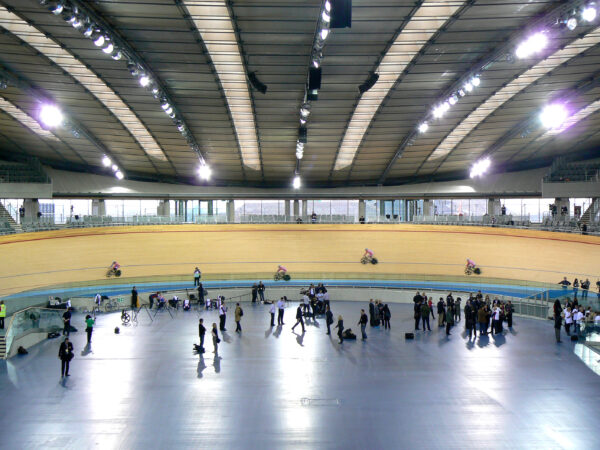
296	209
163	208
98	207
304	209
427	207
230	211
287	209
493	207
362	210
209	207
32	207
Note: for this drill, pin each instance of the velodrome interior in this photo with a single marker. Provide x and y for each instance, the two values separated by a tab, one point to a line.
240	137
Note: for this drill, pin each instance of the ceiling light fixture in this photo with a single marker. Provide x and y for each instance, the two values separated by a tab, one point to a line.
480	167
204	172
553	116
423	127
297	182
589	12
106	161
534	44
51	116
119	174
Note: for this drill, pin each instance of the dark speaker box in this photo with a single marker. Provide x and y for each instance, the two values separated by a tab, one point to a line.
341	14
314	78
302	135
409	335
574	338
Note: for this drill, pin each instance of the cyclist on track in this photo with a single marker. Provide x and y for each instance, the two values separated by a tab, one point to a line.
471	264
281	269
114	267
368	254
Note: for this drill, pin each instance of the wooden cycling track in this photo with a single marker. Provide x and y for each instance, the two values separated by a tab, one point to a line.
33	260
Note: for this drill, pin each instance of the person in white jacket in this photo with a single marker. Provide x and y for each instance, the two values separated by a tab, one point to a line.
272	311
280	308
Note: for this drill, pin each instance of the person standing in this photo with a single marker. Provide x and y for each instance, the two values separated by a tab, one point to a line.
261	291
272	311
89	328
222	316
457	309
441	312
449	320
417	311
340	327
201	300
239	312
372	313
496	324
469	319
201	333
363	323
425	315
254	293
575	288
585	287
557	325
568	319
482	320
134	298
66	322
65	354
299	318
196	276
280	311
215	338
387	315
430	304
508	311
328	318
2	314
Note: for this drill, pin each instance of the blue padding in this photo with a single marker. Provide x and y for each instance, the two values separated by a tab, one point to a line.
124	289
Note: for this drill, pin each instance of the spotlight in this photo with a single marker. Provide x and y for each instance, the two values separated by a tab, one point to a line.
423	127
165	105
305	110
438	112
119	174
316	63
134	70
117	55
369	83
204	172
78	23
99	41
327	6
324	33
589	12
475	81
297	182
155	91
106	161
326	17
452	100
445	107
256	83
108	48
57	8
51	116
571	23
534	44
480	167
144	80
169	111
115	167
89	30
299	154
302	121
553	116
468	86
461	92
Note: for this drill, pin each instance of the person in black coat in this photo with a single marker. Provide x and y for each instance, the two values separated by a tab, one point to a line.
470	319
387	315
200	293
261	291
417	309
201	333
65	354
254	292
372	313
134	298
66	322
328	318
299	319
508	311
557	325
340	327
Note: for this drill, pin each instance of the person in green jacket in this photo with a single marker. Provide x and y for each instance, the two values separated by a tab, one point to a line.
89	328
425	315
449	319
2	314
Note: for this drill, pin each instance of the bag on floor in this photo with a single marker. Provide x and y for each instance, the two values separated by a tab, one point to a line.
348	334
22	351
409	335
198	349
53	334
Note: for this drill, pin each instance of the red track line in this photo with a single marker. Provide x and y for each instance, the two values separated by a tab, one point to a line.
288	230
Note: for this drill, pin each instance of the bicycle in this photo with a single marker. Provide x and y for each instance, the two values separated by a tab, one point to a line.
113	272
110	305
470	270
281	276
367	260
125	318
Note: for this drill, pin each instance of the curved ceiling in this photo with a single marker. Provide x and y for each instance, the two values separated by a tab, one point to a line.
200	52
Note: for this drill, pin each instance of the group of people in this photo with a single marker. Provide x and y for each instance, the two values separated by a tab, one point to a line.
479	312
575	316
578	284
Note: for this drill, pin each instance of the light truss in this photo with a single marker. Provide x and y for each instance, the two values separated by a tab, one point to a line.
213	22
94	84
425	22
523	81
